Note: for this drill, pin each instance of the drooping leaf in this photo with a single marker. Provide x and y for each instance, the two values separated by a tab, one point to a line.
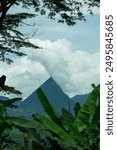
22	122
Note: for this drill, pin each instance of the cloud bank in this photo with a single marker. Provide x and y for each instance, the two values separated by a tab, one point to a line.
74	71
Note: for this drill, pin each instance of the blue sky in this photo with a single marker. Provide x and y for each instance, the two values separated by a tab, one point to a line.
70	55
83	36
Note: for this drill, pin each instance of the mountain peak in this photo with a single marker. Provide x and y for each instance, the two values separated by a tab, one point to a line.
52	89
55	95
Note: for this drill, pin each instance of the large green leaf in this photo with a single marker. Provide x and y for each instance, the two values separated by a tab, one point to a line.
68	123
48	107
66	139
88	110
22	122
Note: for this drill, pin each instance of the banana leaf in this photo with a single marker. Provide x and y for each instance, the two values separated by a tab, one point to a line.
22	122
48	107
87	111
65	138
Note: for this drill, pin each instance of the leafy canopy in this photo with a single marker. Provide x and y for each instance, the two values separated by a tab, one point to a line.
12	39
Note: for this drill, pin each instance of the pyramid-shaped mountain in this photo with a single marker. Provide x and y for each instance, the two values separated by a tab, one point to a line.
55	95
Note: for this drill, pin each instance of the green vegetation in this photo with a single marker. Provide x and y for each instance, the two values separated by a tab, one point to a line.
65	131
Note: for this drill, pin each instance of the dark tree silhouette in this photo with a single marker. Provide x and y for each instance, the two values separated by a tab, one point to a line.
2	81
6	89
13	39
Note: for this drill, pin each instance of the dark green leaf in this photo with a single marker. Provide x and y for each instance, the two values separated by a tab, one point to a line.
22	122
87	111
64	136
77	108
48	107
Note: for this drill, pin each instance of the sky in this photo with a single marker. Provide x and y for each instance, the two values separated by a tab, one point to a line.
70	55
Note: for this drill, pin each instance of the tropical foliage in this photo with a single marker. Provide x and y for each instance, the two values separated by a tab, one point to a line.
78	130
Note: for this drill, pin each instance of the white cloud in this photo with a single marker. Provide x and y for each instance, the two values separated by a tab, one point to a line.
24	74
74	71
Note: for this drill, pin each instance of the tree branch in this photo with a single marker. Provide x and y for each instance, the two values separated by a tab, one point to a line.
4	10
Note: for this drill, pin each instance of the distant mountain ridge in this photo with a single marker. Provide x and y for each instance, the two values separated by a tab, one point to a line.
56	97
80	98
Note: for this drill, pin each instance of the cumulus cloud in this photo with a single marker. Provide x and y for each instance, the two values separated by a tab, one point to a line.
74	71
24	74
